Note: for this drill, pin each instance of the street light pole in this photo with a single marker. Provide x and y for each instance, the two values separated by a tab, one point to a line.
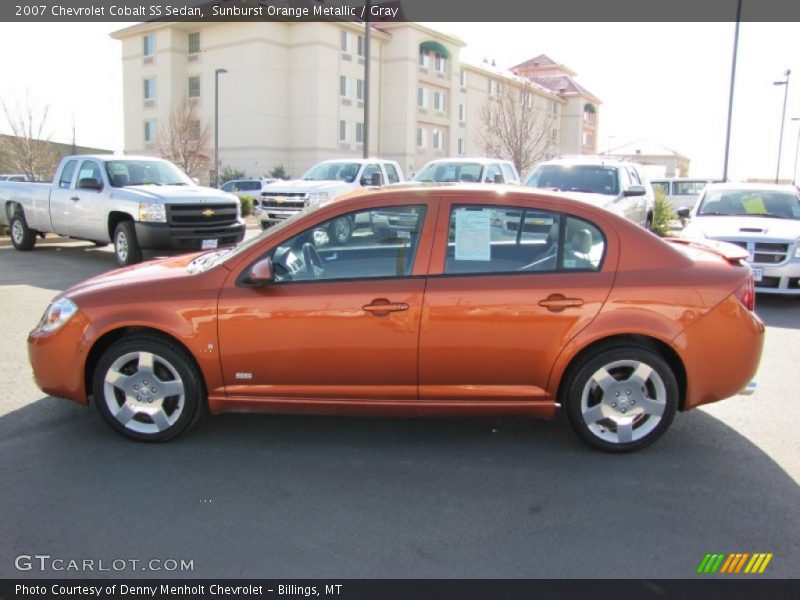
367	50
217	73
730	94
796	152
783	82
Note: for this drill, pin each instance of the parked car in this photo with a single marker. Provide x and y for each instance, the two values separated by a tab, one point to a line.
135	202
615	184
323	183
761	218
455	317
13	177
481	170
681	192
251	188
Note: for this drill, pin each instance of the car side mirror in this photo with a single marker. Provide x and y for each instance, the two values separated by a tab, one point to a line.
498	178
635	190
377	179
261	272
684	213
89	183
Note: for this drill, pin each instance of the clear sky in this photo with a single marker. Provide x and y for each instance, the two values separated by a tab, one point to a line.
663	81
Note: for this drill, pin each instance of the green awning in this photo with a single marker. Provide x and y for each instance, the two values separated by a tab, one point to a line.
589	108
431	46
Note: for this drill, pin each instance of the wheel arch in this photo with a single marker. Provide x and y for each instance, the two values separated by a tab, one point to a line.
116	217
102	343
658	346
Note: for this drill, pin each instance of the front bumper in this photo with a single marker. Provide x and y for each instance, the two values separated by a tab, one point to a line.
58	359
162	236
781	279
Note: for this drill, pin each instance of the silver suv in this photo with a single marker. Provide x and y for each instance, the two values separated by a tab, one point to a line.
478	170
612	183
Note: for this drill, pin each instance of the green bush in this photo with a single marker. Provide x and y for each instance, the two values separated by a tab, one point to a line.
247	205
663	215
279	172
228	173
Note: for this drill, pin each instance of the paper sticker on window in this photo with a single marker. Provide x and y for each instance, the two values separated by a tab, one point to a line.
473	235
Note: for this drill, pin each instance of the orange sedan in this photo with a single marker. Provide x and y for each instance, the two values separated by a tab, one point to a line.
446	301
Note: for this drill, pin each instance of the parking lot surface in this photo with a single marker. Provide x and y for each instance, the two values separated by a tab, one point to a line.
285	496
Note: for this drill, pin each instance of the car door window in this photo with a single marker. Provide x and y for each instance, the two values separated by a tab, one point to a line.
369	171
66	174
634	176
90	170
584	246
391	174
492	171
383	244
508	173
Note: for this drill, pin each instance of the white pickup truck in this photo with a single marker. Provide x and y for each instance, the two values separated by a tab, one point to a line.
135	202
321	184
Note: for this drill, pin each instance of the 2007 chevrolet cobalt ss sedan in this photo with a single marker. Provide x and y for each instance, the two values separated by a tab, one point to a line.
445	301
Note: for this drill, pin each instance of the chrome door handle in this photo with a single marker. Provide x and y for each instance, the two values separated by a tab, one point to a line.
74	198
381	307
558	302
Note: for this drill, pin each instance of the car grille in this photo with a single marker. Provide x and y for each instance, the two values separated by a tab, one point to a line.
290	200
192	215
767	253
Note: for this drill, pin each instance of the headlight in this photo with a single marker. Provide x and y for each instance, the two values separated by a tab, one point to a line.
797	250
152	213
57	314
317	198
239	209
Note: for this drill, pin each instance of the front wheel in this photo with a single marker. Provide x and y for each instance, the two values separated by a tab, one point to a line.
621	399
126	245
22	236
148	389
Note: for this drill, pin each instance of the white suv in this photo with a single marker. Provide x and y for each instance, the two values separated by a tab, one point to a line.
615	184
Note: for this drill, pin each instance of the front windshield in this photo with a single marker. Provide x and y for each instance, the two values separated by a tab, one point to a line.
593	179
750	203
446	172
335	171
122	173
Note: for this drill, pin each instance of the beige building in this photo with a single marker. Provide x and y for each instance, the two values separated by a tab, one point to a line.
293	92
650	153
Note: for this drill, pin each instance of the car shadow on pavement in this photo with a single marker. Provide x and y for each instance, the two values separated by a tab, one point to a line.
54	266
316	497
779	311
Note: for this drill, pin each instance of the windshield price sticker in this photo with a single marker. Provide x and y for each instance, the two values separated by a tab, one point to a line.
473	235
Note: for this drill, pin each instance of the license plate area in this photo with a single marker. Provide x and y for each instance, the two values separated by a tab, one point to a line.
758	273
209	244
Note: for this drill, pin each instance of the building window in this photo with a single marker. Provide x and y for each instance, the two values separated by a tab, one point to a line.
440	63
149	132
554	135
359	133
360	89
588	139
589	113
194	86
424	59
422	137
344	92
342	131
343	41
462	78
361	45
462	113
150	89
149	45
462	147
438	140
422	97
194	42
194	130
438	101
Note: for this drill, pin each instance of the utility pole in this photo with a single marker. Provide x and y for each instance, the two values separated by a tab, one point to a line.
217	73
730	94
367	49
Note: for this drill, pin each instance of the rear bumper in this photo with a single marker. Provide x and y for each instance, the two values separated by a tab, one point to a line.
161	236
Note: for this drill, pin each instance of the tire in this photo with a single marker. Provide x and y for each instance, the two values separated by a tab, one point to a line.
126	246
620	399
124	381
22	237
341	230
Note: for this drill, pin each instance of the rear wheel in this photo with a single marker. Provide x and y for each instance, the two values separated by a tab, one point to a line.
22	236
148	389
621	399
126	246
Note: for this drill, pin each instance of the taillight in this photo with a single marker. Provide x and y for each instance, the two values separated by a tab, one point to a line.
747	293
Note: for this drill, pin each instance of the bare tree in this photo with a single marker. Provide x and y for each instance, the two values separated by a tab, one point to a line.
184	139
516	126
28	149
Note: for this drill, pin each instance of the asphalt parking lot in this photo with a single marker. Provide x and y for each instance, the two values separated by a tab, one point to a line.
282	496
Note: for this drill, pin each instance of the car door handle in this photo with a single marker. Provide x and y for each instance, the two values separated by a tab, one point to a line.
381	307
558	302
74	198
